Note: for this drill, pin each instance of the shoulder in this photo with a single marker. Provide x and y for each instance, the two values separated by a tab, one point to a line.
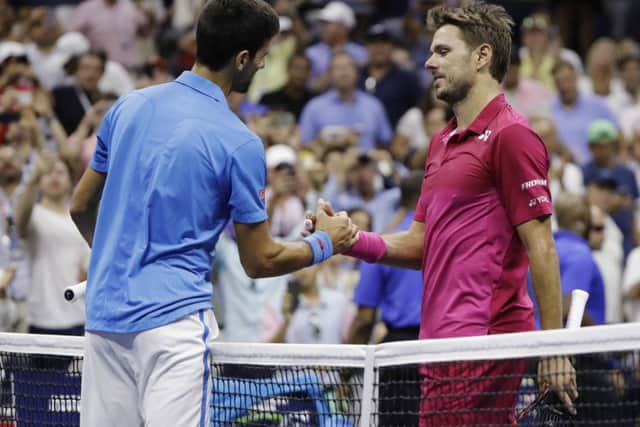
368	100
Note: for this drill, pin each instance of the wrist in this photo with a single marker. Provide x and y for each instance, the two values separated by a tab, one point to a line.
370	247
321	246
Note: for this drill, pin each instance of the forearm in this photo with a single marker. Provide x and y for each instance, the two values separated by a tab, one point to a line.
85	221
403	249
24	207
280	335
360	332
278	258
545	275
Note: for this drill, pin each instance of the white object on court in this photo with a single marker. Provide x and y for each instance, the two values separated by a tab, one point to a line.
75	292
576	311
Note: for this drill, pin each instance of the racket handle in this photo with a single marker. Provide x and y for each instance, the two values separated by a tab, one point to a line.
75	292
576	311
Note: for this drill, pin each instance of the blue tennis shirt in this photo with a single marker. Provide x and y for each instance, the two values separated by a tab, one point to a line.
179	165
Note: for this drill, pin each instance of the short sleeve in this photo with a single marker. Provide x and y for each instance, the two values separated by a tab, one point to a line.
100	160
369	291
248	176
520	167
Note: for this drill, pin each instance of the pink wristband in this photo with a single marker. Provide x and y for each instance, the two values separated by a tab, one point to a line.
370	247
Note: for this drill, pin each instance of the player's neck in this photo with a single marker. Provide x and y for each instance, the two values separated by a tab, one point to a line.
220	78
479	96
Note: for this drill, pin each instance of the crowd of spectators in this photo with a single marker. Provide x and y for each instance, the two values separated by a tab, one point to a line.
345	111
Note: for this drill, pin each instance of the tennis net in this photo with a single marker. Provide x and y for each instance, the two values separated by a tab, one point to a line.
451	382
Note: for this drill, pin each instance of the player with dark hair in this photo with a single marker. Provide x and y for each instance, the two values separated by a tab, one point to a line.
483	219
172	165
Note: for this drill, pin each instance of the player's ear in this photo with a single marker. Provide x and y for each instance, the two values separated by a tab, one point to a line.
482	55
242	59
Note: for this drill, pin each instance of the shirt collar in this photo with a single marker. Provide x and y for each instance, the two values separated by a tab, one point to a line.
481	122
202	85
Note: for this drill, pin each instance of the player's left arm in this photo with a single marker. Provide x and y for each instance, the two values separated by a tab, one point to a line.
85	200
545	273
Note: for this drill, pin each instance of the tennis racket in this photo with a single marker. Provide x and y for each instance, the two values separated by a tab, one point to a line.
75	292
546	409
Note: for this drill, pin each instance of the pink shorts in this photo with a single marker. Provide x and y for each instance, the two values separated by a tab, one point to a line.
470	393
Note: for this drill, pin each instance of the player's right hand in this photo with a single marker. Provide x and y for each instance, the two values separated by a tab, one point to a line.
310	218
342	231
557	373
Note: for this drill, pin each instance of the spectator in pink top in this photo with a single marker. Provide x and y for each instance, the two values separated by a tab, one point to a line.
483	219
112	26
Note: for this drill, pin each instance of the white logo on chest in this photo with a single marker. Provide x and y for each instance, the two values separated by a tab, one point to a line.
485	135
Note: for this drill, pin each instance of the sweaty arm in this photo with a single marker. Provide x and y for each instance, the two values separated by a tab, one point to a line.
85	200
545	273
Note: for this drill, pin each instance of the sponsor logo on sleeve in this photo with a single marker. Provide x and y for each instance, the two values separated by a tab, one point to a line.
538	201
261	194
533	183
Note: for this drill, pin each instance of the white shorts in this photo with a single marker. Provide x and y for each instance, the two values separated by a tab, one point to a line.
159	377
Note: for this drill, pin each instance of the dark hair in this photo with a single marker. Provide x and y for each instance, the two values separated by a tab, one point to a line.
71	66
626	59
479	23
299	55
561	64
226	27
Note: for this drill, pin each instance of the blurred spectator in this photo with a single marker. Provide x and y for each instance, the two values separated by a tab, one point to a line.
294	95
284	207
564	175
345	112
362	188
154	71
602	76
72	102
82	143
574	111
397	294
417	125
112	26
242	300
336	21
603	142
27	140
607	252
397	89
8	310
10	178
631	287
274	74
629	69
57	69
57	252
527	96
309	313
43	32
578	269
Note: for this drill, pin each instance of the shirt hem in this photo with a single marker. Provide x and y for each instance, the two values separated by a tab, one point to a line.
146	325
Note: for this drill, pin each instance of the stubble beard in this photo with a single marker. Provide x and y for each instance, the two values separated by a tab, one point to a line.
455	93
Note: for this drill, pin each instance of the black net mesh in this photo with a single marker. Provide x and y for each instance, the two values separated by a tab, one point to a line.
39	390
506	392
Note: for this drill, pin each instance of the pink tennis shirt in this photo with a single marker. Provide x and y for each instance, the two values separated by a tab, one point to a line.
479	184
